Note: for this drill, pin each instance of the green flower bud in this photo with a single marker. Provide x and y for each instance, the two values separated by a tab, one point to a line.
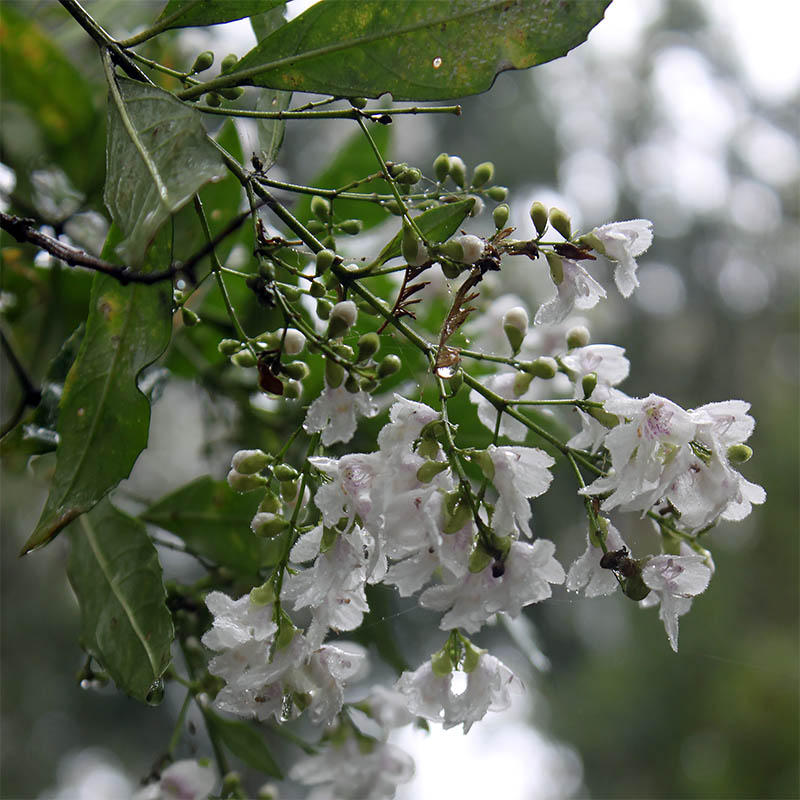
352	384
245	483
248	462
588	384
430	469
368	346
479	559
453	250
393	207
539	216
292	390
289	490
271	503
500	216
266	269
497	193
590	240
244	359
229	62
368	385
324	308
351	227
603	417
213	99
324	260
291	293
441	167
285	472
441	663
578	336
556	267
515	326
343	317
358	102
269	339
343	350
396	168
317	289
483	173
296	370
388	366
229	346
484	461
452	271
334	373
458	171
739	453
316	227
522	382
542	367
320	208
233	93
203	62
409	244
410	177
262	595
561	222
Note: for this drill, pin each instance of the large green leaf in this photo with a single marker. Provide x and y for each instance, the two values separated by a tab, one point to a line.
115	574
158	156
186	13
354	160
438	224
103	418
214	521
245	742
415	49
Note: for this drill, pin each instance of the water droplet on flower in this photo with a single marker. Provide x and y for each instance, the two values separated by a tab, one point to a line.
437	62
86	684
446	371
155	694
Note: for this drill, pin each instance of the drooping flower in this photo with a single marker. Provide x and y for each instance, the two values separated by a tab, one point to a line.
673	581
183	780
586	572
335	412
622	242
577	289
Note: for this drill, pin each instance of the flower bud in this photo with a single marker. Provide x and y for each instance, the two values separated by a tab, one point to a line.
297	370
368	346
293	342
315	226
351	384
232	93
320	208
388	366
244	359
393	207
324	308
213	99
409	177
334	373
289	490
430	469
368	385
588	384
317	289
556	268
249	462
324	260
190	319
483	173
739	453
458	171
522	381
285	472
266	269
543	367
441	167
471	247
343	317
291	293
477	206
229	346
203	62
593	241
497	193
245	483
292	390
539	215
561	222
343	350
452	271
409	245
271	503
500	216
603	417
351	227
515	326
267	526
262	595
578	336
229	62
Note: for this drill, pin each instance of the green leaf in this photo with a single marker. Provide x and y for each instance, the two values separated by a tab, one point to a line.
438	224
214	521
103	418
353	161
415	49
158	156
188	13
245	742
271	131
115	574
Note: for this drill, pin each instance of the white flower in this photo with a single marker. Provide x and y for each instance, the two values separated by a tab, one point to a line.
673	581
334	413
471	600
293	341
488	688
471	246
349	492
406	421
586	572
183	780
622	241
354	769
578	289
519	474
237	622
502	384
387	707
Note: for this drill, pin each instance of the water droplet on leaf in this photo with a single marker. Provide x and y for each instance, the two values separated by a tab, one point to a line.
155	694
437	62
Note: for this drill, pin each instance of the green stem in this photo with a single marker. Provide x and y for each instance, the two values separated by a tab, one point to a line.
333	113
159	26
178	729
148	62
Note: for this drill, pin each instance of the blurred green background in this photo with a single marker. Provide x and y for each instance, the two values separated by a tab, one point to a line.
681	111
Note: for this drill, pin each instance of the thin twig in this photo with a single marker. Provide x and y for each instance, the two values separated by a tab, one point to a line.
31	396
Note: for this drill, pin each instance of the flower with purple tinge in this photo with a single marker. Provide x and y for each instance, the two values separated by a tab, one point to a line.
349	492
673	581
622	242
586	572
488	688
182	780
354	769
472	599
520	473
578	289
334	413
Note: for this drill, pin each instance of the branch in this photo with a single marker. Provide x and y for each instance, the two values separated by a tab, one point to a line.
31	396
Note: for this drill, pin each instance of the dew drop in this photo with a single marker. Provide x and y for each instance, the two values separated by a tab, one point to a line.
155	694
446	372
437	62
86	684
